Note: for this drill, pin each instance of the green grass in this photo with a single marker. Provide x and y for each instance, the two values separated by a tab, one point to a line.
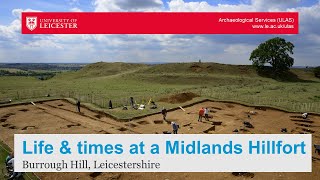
106	69
4	152
97	84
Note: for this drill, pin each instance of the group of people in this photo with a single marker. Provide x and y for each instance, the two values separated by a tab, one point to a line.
175	126
203	112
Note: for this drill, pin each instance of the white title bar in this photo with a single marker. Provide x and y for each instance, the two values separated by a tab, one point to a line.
162	153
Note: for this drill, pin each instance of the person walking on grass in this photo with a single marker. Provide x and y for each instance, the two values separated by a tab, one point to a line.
206	114
164	113
78	105
201	112
175	127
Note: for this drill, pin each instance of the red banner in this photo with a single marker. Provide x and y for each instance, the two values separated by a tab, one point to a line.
160	23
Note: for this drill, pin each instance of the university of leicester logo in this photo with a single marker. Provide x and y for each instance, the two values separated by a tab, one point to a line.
31	23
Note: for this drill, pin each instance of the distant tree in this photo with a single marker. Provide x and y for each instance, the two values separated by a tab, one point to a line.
276	52
317	72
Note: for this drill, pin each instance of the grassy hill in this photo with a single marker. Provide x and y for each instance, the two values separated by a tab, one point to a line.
106	69
219	69
99	82
211	68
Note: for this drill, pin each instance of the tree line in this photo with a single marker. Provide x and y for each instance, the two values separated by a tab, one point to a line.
39	75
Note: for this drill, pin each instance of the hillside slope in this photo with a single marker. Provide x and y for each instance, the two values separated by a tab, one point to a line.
106	69
216	69
212	68
180	72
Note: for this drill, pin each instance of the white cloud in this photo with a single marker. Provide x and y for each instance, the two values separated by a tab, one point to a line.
73	2
43	44
273	5
239	49
203	6
11	31
127	5
17	12
75	9
165	48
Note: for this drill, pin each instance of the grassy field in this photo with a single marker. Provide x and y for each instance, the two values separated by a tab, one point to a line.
100	82
3	154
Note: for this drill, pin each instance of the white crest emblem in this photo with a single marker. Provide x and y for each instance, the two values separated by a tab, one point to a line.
31	22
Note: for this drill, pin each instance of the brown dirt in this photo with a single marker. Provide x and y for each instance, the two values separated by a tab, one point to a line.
212	128
185	125
305	121
244	174
217	123
158	121
49	118
215	108
230	105
98	116
122	129
196	68
143	122
5	125
104	132
28	127
24	110
131	125
72	125
179	98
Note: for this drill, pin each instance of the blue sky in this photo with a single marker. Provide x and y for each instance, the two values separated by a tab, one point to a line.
231	49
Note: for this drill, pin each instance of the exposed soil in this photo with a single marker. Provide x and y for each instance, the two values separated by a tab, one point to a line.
122	129
98	116
232	115
243	174
72	125
12	127
24	110
95	174
158	121
28	127
305	121
298	117
131	125
230	105
143	122
185	125
213	128
104	132
216	123
49	118
216	108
